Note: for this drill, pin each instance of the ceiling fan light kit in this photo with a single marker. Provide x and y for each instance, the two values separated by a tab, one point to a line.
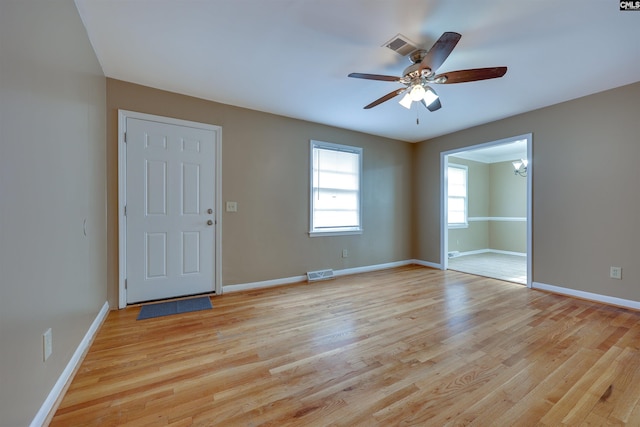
418	76
520	167
418	93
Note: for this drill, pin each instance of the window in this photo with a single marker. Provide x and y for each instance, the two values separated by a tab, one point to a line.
336	179
457	196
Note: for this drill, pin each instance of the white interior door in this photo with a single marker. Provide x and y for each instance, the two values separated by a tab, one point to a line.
170	210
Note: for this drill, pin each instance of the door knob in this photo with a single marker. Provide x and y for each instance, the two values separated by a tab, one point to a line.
209	222
209	211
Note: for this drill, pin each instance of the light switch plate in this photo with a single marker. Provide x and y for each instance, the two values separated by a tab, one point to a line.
232	206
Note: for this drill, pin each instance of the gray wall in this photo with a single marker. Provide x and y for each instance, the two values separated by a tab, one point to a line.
265	168
585	206
52	178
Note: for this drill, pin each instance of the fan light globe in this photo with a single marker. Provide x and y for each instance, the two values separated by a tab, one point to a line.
417	93
429	96
406	100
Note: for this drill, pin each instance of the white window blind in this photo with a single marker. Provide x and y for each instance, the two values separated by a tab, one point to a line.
335	188
457	195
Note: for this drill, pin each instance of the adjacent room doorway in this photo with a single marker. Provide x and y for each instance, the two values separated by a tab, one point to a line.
169	173
491	236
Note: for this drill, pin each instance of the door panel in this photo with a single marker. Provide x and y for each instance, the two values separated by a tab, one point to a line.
170	190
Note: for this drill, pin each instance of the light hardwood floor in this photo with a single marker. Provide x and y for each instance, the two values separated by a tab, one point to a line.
407	346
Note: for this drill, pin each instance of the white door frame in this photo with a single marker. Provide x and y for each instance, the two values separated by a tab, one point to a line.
122	191
443	199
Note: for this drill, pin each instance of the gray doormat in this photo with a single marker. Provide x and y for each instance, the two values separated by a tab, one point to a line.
174	307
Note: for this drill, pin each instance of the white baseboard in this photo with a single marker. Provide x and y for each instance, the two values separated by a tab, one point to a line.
605	299
56	391
368	268
426	264
497	251
263	284
343	272
493	251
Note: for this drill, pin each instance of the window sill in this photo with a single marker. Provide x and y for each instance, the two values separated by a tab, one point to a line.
452	226
334	233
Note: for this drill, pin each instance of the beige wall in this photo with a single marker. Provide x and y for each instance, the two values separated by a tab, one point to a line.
55	113
265	161
585	207
472	238
494	191
507	198
508	236
508	194
52	178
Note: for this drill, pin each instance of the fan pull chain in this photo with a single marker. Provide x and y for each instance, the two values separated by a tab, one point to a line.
417	116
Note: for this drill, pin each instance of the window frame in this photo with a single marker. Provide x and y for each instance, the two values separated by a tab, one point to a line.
334	231
464	224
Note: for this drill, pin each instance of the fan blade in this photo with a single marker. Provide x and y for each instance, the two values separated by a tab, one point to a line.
375	77
434	106
472	75
385	98
440	51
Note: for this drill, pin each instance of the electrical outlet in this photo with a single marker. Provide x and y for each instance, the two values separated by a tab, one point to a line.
615	273
345	253
47	344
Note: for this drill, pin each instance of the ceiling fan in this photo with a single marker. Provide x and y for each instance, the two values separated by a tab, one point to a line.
418	76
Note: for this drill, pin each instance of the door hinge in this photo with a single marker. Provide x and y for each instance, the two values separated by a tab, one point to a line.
125	210
125	137
125	283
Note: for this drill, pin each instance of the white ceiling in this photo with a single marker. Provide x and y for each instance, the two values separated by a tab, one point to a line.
292	57
508	151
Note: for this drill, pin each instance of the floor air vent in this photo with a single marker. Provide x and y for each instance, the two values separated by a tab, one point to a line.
313	276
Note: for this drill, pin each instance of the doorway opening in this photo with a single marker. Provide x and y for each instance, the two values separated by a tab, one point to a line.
486	209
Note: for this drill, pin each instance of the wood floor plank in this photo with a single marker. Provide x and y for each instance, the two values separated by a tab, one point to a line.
405	346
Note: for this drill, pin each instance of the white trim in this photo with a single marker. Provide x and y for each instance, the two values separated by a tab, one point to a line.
498	218
497	251
444	210
605	299
444	230
338	231
530	168
369	268
335	233
494	251
122	201
457	226
343	272
65	377
217	257
264	284
427	264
